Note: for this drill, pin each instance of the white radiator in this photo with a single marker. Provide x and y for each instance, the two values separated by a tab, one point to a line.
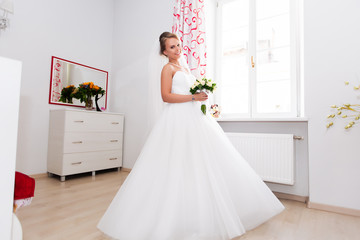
270	155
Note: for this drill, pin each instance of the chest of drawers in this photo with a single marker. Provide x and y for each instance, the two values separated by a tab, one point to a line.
84	141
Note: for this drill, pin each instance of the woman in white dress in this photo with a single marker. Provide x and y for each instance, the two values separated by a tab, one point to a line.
189	182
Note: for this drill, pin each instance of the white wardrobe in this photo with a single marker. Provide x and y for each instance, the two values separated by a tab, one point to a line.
10	78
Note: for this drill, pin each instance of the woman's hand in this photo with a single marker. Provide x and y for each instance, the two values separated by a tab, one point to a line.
200	96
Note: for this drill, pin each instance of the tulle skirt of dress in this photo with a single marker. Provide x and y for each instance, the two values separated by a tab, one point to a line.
188	183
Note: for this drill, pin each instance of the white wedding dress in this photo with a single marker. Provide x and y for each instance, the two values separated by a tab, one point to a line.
189	182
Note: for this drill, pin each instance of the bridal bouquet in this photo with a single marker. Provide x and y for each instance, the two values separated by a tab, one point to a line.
203	85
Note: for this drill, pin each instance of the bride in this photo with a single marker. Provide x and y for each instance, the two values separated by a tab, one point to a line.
189	182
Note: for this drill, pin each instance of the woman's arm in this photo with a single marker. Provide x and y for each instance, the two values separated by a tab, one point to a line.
167	96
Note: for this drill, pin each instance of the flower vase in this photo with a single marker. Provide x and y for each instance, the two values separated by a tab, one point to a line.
88	103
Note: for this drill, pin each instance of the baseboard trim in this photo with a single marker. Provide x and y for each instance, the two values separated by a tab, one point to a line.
39	175
43	175
335	209
126	169
293	197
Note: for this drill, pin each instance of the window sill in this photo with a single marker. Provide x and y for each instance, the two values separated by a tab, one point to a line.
232	119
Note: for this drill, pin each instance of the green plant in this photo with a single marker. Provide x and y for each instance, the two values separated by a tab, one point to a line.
87	90
67	94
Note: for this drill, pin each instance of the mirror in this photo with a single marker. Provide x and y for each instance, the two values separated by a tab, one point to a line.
65	73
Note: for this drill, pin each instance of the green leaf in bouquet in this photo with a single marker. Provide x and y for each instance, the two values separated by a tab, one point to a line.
203	108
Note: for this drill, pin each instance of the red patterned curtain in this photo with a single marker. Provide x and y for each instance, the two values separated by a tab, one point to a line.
189	25
57	81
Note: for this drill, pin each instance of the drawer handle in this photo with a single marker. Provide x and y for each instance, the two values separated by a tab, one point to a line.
114	140
77	142
79	121
112	158
115	123
76	163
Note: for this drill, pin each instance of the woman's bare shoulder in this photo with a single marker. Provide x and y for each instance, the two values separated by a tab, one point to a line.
168	69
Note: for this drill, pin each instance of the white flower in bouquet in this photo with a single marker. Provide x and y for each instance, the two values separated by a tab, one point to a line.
203	85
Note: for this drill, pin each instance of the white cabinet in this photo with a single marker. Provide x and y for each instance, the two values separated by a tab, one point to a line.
84	141
10	76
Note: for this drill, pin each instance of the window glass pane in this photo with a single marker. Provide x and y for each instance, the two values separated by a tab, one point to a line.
234	65
235	14
274	96
235	85
273	32
273	71
270	8
273	81
273	64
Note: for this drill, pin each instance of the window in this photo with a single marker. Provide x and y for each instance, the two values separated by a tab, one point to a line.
257	58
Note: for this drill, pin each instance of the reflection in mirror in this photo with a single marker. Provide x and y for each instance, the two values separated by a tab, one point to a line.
65	73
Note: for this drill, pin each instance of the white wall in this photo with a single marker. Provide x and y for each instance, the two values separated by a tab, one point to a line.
138	25
331	44
10	76
81	31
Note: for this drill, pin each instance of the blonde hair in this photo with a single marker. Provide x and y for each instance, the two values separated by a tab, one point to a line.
162	39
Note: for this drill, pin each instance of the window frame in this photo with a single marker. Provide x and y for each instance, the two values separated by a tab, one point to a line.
295	58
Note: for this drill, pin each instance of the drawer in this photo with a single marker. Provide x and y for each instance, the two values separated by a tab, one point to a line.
93	122
86	162
91	141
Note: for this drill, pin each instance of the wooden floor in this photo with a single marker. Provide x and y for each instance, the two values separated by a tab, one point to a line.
71	210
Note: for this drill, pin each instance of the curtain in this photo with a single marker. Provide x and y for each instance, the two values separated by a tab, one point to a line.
57	78
189	25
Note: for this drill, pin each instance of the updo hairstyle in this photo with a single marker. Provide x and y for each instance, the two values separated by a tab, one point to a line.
162	39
